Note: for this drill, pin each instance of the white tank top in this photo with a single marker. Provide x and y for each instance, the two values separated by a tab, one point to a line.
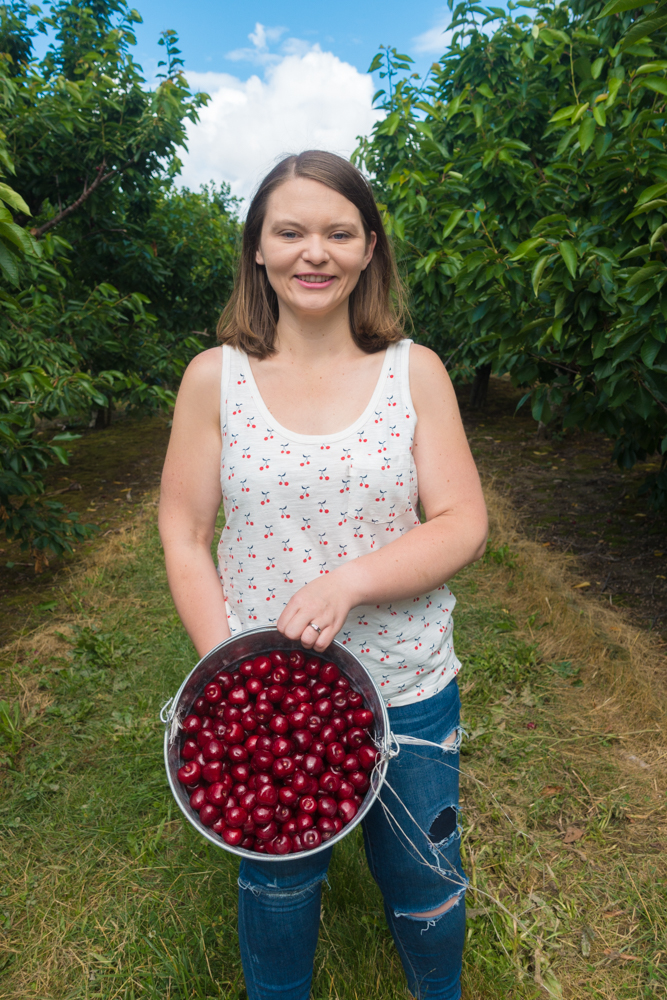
299	505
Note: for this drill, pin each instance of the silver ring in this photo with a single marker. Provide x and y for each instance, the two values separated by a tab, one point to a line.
316	627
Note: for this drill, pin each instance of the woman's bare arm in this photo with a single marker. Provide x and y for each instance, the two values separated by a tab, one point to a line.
190	500
421	560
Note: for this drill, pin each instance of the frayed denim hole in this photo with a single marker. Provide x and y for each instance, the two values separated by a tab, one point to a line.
276	892
443	826
432	921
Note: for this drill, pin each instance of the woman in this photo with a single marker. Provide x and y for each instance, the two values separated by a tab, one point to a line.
322	428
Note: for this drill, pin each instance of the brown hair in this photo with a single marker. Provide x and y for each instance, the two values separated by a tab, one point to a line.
249	319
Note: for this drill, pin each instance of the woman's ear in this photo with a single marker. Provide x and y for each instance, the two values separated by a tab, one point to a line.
372	240
258	257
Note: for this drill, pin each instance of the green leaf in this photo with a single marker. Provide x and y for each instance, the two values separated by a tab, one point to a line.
569	255
564	113
538	271
645	272
452	222
660	232
652	67
649	193
527	247
646	26
376	64
648	207
13	198
586	133
616	6
649	351
597	67
600	116
8	264
656	83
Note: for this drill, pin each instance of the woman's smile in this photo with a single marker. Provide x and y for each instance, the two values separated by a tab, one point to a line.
315	281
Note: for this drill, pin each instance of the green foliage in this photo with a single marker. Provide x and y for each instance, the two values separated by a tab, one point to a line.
109	275
524	182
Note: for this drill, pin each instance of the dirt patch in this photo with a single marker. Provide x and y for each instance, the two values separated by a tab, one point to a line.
571	496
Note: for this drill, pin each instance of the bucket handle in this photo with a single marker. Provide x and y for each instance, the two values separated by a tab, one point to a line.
167	712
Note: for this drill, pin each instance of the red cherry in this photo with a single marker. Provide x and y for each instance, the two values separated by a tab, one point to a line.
263	711
265	742
191	724
262	814
262	760
355	700
213	750
282	844
329	673
236	816
239	790
202	706
248	801
238	696
311	839
304	821
231	713
213	693
282	814
350	762
282	747
212	771
190	750
237	753
329	782
323	707
251	743
327	806
314	724
297	659
302	738
275	693
359	780
308	804
283	767
326	825
297	719
262	666
297	843
367	756
321	690
289	827
346	790
233	837
204	735
254	685
248	842
312	764
339	723
267	795
355	737
339	699
318	748
217	794
267	832
263	779
335	753
288	796
312	666
225	680
235	733
220	730
302	693
280	675
347	810
208	814
279	725
240	772
363	717
328	734
190	773
198	799
289	703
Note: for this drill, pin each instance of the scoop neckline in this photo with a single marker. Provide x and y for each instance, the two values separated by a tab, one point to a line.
313	438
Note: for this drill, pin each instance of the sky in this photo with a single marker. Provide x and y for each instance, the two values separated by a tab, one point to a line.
282	76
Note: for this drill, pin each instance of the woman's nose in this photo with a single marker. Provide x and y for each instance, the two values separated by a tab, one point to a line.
315	251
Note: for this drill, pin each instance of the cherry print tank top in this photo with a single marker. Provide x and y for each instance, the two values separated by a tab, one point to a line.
298	505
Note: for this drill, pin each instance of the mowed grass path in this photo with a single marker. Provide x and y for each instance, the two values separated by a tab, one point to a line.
105	891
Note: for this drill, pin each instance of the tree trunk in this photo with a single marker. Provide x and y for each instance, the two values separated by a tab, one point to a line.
103	417
480	386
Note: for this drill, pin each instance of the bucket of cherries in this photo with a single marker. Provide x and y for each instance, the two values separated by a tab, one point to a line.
272	750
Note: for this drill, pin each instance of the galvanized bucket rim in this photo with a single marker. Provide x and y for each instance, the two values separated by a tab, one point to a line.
171	715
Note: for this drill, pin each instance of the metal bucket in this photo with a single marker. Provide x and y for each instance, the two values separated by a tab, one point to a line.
233	652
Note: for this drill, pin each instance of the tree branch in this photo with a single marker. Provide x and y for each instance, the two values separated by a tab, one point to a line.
86	193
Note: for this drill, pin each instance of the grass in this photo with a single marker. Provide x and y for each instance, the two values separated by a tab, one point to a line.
105	892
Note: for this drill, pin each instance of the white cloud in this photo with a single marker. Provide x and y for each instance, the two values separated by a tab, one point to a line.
307	100
436	40
259	53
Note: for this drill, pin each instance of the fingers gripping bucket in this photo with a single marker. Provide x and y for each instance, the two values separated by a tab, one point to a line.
227	656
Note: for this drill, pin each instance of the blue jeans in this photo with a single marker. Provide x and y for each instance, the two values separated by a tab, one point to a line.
279	902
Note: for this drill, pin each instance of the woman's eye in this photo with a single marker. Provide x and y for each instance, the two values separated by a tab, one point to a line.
289	234
340	236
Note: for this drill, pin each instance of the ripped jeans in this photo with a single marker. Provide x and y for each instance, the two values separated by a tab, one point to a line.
279	902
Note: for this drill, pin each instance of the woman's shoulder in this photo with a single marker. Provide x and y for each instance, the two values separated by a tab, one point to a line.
204	369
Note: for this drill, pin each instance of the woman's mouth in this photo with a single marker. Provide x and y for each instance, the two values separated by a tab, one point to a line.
315	280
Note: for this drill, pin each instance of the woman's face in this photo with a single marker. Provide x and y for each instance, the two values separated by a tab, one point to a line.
313	247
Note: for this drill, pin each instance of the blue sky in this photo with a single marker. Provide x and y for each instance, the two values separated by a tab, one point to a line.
282	77
214	35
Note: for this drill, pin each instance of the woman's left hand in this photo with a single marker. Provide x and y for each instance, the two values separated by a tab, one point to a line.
323	602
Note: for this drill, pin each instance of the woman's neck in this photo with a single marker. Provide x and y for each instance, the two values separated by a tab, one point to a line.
315	341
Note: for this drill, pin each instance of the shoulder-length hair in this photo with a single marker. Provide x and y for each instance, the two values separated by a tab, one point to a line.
249	319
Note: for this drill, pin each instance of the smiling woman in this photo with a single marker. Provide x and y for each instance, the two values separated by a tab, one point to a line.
334	204
321	428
